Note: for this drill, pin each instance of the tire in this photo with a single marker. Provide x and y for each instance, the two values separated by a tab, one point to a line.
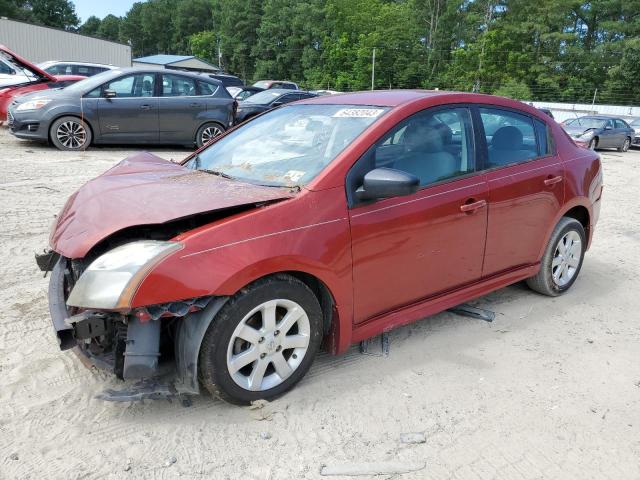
208	132
625	146
593	143
549	280
238	335
70	133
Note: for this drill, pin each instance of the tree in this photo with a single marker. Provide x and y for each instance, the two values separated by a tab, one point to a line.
51	13
110	28
90	26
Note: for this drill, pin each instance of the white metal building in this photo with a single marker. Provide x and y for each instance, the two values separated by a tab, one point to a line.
39	44
176	62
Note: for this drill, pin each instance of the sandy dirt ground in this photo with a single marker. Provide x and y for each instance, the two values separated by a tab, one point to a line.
549	390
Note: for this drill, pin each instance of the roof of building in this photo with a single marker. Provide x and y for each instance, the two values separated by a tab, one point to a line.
163	59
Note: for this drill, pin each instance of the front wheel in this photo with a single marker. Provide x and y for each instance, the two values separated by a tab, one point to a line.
262	341
208	132
70	133
562	259
593	143
625	146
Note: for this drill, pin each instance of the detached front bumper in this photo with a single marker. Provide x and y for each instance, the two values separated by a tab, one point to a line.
126	345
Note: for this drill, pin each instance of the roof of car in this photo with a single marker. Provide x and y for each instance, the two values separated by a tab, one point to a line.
383	98
48	63
167	71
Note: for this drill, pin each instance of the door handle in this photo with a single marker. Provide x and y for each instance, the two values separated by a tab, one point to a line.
194	105
553	180
145	107
471	206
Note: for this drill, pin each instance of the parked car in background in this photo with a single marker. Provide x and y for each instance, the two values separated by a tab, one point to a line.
600	131
11	74
327	221
130	105
36	80
546	111
266	100
325	92
227	79
56	67
267	84
242	93
635	124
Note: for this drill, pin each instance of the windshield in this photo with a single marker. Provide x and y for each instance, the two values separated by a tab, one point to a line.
635	123
264	97
586	122
262	84
288	146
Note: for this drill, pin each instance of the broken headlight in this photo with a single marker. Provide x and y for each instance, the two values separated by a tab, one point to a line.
112	279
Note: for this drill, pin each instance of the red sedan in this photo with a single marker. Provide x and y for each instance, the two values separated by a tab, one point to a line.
324	222
39	80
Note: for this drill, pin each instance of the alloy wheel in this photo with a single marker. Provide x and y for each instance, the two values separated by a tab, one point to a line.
268	345
566	258
626	145
71	134
209	134
592	144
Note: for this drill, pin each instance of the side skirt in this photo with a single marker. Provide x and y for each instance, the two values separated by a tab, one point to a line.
433	305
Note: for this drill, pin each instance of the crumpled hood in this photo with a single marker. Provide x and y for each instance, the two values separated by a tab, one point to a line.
146	190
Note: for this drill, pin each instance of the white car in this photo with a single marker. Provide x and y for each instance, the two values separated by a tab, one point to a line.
11	74
57	67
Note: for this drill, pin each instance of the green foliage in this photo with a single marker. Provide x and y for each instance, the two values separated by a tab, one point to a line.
50	13
558	50
514	89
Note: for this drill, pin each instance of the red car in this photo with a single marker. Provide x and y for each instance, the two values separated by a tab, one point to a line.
323	222
40	80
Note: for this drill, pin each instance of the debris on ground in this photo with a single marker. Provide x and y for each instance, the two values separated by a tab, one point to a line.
413	437
265	435
170	462
375	468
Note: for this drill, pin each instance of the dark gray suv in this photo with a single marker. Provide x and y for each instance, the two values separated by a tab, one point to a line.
131	105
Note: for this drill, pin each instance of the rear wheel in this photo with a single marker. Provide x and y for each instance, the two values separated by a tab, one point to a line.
262	341
562	259
208	132
70	133
625	146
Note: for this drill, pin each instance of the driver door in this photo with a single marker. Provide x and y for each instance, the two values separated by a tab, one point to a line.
406	249
132	115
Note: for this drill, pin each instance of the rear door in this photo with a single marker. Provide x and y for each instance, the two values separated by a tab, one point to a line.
180	107
132	115
526	187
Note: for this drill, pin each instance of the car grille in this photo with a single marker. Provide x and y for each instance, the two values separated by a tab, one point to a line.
636	140
10	120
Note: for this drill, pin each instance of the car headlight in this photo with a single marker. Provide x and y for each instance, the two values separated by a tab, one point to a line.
587	135
113	278
32	104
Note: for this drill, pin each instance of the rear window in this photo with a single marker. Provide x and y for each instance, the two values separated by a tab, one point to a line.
511	137
207	89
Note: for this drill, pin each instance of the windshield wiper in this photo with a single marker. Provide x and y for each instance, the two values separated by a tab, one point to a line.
218	173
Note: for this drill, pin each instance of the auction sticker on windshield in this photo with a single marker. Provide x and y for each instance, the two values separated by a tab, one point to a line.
358	113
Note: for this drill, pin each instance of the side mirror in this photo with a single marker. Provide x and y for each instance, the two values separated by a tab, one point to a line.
387	183
109	94
277	104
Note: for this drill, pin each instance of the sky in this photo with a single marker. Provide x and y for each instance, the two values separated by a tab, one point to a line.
101	8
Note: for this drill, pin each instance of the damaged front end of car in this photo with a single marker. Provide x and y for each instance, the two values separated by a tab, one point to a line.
156	345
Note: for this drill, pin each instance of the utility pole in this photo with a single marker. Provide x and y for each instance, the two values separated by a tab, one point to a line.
593	102
373	68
